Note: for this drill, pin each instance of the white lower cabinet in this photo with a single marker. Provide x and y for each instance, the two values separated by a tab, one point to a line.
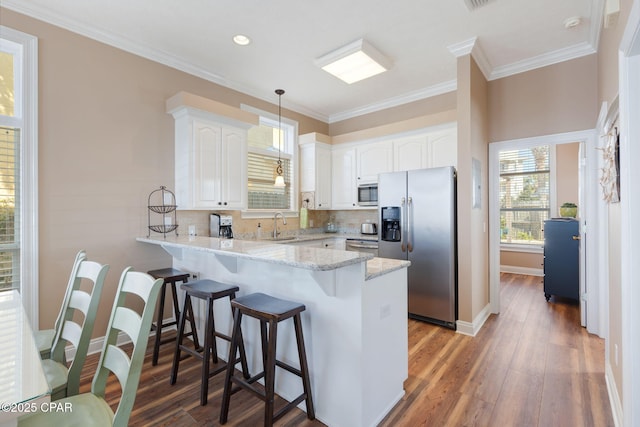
335	243
332	243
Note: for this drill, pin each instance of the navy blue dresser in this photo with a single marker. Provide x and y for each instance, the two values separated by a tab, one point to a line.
561	258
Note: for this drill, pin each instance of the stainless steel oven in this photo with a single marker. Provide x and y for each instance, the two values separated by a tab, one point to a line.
368	194
357	245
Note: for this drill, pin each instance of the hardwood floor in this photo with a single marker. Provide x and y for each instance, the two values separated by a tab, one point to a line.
532	365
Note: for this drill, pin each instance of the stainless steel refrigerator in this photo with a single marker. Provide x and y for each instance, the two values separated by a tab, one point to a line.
417	211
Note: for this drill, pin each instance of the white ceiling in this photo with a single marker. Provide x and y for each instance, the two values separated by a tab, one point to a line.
420	37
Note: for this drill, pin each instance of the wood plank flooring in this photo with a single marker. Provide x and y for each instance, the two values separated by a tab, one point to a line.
532	365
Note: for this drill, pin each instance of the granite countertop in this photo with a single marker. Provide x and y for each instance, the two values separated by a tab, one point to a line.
317	259
286	237
380	266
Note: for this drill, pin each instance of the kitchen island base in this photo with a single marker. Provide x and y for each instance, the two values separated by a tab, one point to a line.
355	329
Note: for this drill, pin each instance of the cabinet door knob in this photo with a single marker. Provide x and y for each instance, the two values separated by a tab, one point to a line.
219	203
575	237
225	203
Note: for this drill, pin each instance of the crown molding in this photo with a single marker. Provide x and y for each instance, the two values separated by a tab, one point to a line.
560	55
149	53
469	46
417	95
472	47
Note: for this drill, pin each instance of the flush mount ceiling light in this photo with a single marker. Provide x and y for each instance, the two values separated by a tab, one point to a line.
241	39
354	62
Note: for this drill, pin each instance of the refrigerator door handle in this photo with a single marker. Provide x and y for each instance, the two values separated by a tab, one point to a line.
409	223
402	224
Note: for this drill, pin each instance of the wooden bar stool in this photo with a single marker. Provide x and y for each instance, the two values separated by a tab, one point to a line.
171	277
271	311
210	291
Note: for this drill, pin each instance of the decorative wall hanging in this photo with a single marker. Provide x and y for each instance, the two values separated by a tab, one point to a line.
610	178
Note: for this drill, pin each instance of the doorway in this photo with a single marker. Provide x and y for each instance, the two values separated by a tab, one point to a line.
587	140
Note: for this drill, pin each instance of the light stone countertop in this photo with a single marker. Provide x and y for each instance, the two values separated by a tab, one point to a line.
278	252
380	266
299	237
317	259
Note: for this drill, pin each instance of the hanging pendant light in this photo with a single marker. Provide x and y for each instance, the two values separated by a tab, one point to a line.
279	171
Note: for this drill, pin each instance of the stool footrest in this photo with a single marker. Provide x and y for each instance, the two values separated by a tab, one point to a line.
289	406
289	368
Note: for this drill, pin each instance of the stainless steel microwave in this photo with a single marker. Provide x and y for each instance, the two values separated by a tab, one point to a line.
368	194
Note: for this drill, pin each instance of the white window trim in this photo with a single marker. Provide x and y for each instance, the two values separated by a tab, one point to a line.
268	213
27	119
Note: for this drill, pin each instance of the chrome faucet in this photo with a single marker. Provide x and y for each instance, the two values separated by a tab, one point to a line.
275	223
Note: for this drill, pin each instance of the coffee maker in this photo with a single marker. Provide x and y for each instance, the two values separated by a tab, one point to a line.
391	224
220	226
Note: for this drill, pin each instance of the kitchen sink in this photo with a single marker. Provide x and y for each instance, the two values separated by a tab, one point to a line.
281	239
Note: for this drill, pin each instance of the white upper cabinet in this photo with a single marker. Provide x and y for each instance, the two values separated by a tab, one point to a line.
427	150
211	165
443	148
210	153
411	153
315	169
343	184
373	159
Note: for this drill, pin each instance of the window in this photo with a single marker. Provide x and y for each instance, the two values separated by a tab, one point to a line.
18	167
263	153
9	208
525	184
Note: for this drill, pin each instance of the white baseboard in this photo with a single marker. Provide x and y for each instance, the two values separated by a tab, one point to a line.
473	328
528	271
614	397
96	344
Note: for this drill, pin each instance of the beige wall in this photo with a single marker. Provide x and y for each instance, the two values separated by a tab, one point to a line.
607	90
567	183
567	176
424	107
473	242
105	142
553	99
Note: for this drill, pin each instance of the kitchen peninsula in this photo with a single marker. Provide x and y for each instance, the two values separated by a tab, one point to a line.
355	322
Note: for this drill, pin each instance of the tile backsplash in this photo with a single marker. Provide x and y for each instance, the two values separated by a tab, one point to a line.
345	220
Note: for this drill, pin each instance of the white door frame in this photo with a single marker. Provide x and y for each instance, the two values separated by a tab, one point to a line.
629	81
588	140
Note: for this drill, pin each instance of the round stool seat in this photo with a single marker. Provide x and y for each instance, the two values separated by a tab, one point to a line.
206	288
268	307
169	274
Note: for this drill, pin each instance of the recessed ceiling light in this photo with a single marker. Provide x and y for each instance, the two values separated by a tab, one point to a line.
572	22
354	62
241	39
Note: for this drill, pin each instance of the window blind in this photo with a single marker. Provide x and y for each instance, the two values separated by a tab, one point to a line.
261	174
9	208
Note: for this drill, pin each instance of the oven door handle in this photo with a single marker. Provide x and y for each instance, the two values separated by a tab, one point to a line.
360	245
